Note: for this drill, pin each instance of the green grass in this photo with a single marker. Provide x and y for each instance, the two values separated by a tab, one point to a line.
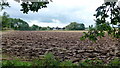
16	63
49	60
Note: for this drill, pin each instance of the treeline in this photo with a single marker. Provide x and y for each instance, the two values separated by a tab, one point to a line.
13	23
19	24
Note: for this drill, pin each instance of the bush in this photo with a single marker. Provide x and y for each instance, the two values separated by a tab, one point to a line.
50	61
115	62
95	62
15	63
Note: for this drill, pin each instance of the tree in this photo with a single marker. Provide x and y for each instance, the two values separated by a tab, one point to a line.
3	4
11	23
27	5
5	20
107	17
75	26
44	28
18	24
48	28
81	27
35	27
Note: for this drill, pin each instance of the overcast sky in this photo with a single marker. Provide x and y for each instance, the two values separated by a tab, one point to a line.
58	13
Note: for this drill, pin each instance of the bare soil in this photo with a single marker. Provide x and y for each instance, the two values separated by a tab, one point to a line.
65	45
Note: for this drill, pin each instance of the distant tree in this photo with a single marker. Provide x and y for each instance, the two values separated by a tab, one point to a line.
19	24
44	28
11	23
57	28
39	27
5	20
63	28
75	26
35	27
48	28
81	27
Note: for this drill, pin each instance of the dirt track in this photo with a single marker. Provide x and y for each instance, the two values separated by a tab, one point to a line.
64	45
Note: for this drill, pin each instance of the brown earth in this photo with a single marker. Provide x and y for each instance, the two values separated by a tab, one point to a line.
64	45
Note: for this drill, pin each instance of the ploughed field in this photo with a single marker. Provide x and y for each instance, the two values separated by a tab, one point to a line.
64	45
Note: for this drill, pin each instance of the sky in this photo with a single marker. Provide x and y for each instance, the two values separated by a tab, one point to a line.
58	13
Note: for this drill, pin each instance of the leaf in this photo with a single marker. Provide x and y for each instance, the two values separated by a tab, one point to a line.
98	14
105	15
107	3
82	38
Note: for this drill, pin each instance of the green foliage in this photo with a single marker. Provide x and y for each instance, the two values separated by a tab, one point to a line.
95	62
92	34
48	28
5	20
33	6
67	63
107	17
27	6
15	63
3	4
75	26
34	27
115	62
20	25
50	61
43	28
13	23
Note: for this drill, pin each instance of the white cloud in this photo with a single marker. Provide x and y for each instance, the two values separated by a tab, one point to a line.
59	12
54	23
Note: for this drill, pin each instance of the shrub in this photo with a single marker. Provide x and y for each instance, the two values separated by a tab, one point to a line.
115	62
95	62
15	63
50	61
